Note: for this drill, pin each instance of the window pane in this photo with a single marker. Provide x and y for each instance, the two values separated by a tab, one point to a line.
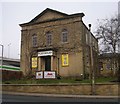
64	35
34	40
49	38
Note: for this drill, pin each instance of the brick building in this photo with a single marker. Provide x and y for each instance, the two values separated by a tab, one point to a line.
55	41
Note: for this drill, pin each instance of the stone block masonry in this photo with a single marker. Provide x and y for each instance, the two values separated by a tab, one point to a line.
109	89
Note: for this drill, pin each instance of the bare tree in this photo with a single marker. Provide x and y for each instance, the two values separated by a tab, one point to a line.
108	35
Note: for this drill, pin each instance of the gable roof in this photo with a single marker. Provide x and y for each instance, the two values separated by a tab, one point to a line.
65	16
45	11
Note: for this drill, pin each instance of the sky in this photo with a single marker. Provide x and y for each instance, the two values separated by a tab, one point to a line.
14	13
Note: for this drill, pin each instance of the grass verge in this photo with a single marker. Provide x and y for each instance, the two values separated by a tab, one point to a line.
62	80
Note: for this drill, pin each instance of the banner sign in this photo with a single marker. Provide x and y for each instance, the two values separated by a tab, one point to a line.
49	74
65	60
34	62
45	53
39	75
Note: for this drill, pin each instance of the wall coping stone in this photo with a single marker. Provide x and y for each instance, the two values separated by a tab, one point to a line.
59	84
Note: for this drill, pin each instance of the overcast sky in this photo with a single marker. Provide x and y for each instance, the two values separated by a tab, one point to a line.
15	13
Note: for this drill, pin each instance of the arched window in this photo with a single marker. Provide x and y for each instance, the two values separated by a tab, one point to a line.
49	38
64	35
34	40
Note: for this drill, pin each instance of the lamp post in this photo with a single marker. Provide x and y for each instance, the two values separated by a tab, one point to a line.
9	49
2	56
92	66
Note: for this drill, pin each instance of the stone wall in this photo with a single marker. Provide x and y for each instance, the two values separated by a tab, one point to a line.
74	27
79	89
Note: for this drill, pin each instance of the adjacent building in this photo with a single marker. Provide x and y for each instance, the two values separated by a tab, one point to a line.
109	64
55	41
10	69
10	64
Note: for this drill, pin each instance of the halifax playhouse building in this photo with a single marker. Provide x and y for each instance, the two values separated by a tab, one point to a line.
54	43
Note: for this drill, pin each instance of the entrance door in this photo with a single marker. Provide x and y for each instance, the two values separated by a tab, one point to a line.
47	63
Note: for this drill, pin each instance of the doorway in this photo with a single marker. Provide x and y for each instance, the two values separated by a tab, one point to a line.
48	63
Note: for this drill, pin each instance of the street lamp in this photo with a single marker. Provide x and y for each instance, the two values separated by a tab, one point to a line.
2	56
92	66
9	49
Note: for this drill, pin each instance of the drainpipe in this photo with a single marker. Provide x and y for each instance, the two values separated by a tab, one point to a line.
58	73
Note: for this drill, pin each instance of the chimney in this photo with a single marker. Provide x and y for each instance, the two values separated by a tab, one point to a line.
89	27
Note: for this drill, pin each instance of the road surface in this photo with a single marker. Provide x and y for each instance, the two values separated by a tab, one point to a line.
27	98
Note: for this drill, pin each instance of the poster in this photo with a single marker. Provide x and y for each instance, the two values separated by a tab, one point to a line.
39	75
49	74
34	62
65	60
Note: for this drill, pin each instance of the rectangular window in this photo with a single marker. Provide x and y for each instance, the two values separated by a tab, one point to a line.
64	35
86	38
65	59
49	38
90	38
108	64
34	40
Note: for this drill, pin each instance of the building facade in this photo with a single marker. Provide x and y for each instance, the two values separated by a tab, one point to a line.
55	41
109	64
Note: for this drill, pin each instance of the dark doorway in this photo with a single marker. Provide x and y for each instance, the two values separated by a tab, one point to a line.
47	63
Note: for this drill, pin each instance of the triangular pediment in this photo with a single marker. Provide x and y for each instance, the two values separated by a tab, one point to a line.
51	15
48	14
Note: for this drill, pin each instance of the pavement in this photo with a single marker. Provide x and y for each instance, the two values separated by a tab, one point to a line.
59	95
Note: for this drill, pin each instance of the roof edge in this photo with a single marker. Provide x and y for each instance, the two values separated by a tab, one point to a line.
69	16
42	13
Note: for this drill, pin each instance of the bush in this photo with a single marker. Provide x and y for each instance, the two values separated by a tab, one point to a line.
86	76
58	77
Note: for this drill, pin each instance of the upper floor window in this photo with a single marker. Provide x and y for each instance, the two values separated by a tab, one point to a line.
87	38
34	40
49	38
90	38
64	35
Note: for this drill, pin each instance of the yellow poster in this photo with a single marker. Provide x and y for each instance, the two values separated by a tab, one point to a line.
34	62
65	60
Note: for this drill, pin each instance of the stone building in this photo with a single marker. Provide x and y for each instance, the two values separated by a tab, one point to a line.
55	41
109	64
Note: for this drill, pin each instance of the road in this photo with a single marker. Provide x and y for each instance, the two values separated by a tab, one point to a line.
27	98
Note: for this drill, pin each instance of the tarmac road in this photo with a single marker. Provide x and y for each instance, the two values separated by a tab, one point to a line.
56	98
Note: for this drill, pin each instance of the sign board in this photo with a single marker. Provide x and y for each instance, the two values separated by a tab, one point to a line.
49	74
34	62
39	75
65	60
45	53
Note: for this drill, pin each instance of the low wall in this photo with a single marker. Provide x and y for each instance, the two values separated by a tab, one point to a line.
10	74
80	89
